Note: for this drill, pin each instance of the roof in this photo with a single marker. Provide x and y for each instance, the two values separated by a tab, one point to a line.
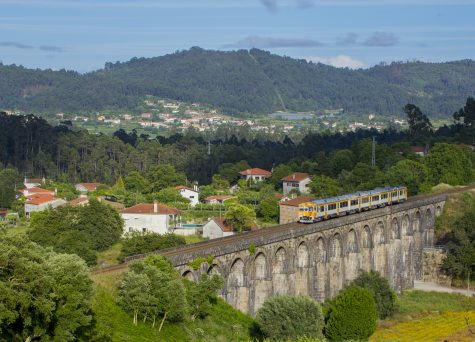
147	209
225	227
89	186
296	177
78	201
218	198
40	199
180	187
34	180
35	190
256	172
278	196
298	200
418	149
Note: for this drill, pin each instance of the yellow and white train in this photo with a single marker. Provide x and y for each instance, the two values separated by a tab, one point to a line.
322	209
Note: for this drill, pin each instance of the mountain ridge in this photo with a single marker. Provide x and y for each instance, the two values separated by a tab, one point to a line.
242	81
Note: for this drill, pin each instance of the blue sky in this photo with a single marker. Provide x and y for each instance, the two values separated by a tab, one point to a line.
84	34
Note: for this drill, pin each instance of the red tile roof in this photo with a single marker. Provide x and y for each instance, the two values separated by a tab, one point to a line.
225	227
218	198
35	190
34	180
89	186
256	172
180	187
147	209
78	201
418	149
278	196
296	177
40	199
296	201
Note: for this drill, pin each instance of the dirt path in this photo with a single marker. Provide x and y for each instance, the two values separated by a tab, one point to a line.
423	286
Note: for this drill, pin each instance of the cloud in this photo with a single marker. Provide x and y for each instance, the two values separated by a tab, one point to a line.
340	61
271	5
16	45
349	39
381	39
270	42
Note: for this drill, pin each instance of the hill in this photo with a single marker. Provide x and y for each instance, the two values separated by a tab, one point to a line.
244	81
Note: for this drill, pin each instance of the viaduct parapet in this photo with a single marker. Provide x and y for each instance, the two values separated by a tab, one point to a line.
319	259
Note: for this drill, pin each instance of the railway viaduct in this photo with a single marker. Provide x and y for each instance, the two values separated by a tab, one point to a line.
319	259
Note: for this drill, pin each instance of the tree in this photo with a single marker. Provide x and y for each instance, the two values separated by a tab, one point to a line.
240	217
146	242
324	186
230	171
44	295
164	175
450	164
287	318
384	296
269	209
410	173
352	315
419	123
341	160
467	114
280	171
135	182
10	183
202	295
171	195
134	293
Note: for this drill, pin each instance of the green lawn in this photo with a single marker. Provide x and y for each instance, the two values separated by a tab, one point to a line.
414	301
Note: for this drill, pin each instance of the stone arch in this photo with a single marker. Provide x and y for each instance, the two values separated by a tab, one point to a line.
406	228
428	229
335	264
320	269
428	219
438	211
395	229
417	222
214	269
280	272
302	277
189	275
418	228
366	249
262	284
237	292
352	262
379	250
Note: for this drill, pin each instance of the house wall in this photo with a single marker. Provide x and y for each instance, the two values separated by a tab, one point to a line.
81	189
193	196
32	208
151	222
301	186
212	231
288	213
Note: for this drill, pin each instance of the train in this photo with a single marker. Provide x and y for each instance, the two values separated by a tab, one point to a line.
323	209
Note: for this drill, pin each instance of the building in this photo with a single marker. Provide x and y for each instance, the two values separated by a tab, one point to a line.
84	188
217	227
296	181
255	174
218	199
33	182
40	202
32	191
190	194
150	217
289	210
419	150
82	201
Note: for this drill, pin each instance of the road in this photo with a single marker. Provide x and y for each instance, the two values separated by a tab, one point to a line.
423	286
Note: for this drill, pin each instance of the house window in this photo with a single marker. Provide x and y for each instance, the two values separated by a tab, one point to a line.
192	196
131	229
144	230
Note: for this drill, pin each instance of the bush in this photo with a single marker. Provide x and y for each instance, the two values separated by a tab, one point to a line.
383	295
284	317
352	315
140	243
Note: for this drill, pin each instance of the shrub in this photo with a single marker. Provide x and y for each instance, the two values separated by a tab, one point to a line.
383	295
352	315
284	317
140	243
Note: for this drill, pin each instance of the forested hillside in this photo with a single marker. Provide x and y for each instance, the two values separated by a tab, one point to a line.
243	81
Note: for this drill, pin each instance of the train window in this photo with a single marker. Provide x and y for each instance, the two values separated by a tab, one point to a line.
343	204
384	196
332	206
322	208
394	194
401	192
365	200
375	198
354	202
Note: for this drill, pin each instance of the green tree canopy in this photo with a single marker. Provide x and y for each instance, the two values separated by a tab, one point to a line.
171	195
145	242
10	183
467	114
413	174
164	175
280	171
288	318
419	123
341	160
269	209
135	182
324	186
240	217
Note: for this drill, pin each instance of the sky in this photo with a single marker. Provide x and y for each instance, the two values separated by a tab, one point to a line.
82	35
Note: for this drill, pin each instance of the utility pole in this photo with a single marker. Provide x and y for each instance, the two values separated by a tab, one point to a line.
373	153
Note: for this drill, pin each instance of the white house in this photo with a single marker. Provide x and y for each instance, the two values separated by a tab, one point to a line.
84	188
41	202
33	182
296	181
189	193
218	199
216	228
148	217
255	174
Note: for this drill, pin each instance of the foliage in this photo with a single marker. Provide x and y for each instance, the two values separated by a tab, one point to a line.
283	317
352	316
450	164
240	217
44	295
81	229
413	174
146	242
10	181
324	186
135	182
280	171
202	296
467	113
171	195
251	249
63	190
341	160
269	209
419	123
164	175
198	261
384	296
230	172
